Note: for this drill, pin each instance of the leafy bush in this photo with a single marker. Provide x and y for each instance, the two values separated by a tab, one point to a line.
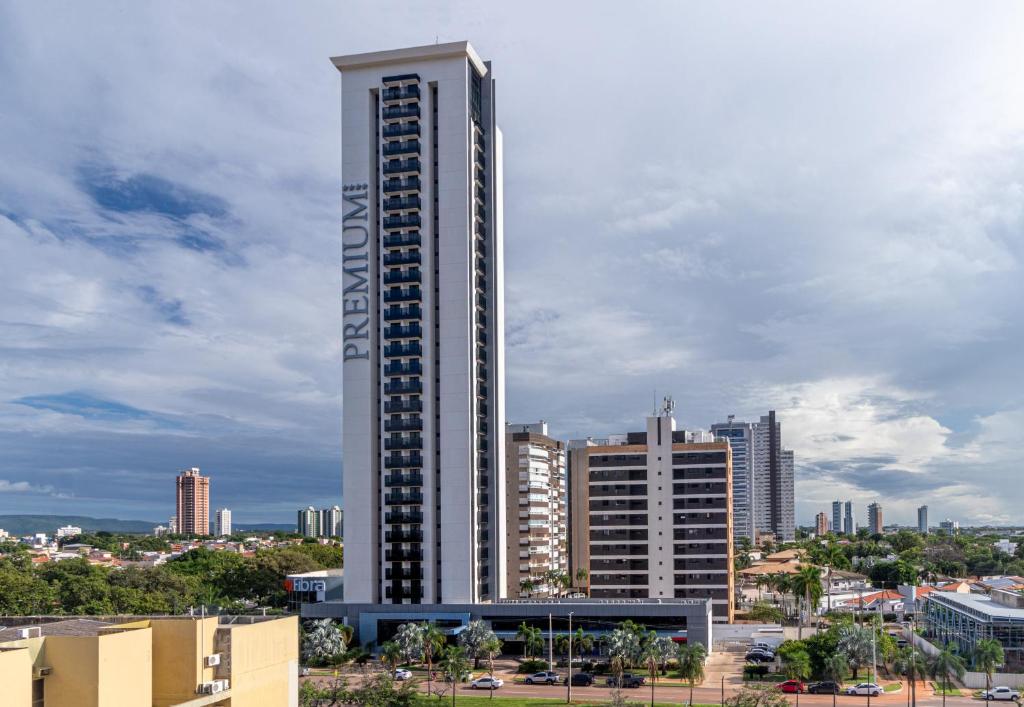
754	672
532	666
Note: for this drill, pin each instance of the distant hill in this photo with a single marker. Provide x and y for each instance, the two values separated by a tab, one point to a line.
28	524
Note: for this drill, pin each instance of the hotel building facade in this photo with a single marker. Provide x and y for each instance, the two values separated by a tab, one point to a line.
535	492
651	516
192	514
423	421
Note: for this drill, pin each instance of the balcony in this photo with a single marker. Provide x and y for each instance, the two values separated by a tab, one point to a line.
407	221
403	573
481	300
396	350
481	372
403	388
397	130
409	258
404	147
403	555
402	203
403	517
392	186
399	240
413	368
400	167
400	112
392	314
397	461
406	331
410	498
481	159
392	480
399	277
481	337
412	424
409	294
415	442
403	536
400	593
400	93
397	406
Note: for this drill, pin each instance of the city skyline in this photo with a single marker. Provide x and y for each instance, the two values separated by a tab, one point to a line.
170	296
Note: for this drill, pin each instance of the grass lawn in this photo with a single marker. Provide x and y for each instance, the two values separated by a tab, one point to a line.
892	687
950	690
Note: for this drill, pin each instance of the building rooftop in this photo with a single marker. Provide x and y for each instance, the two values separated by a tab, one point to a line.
410	54
981	606
68	627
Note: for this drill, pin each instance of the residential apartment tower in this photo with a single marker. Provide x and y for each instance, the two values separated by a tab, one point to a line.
192	515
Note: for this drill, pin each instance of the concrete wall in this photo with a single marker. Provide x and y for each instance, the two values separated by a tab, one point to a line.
976	681
16	677
264	663
112	670
179	647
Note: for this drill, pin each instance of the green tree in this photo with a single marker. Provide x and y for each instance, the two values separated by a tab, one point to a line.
473	638
433	644
532	638
322	641
409	638
988	655
834	669
691	657
765	612
856	645
490	648
23	593
455	665
946	663
582	642
751	696
390	656
383	691
82	588
807	584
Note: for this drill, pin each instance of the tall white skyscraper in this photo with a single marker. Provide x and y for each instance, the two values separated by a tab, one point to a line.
774	504
922	520
740	438
837	517
423	427
222	522
849	521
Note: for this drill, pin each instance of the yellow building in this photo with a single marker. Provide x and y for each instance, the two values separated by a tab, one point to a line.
167	661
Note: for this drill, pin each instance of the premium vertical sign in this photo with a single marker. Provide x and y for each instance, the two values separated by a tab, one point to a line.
355	279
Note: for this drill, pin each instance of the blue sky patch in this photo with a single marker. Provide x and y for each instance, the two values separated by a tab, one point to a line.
91	407
172	310
147	193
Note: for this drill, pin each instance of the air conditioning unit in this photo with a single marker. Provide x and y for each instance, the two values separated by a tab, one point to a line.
210	688
225	684
30	632
212	660
42	672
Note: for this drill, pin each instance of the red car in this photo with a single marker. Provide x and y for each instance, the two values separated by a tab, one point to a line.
792	686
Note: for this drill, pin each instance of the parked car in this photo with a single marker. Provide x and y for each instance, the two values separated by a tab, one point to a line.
792	686
542	678
1001	693
826	687
763	645
628	680
582	680
865	688
759	657
402	674
487	683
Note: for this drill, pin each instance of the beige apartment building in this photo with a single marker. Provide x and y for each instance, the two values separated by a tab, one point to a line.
651	515
166	661
193	503
535	495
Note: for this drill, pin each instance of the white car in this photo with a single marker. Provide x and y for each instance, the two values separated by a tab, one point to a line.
1001	693
865	688
402	674
487	683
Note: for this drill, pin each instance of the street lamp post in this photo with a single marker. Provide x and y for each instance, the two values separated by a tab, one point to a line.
568	678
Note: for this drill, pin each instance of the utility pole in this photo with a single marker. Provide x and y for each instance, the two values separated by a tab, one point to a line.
568	679
551	646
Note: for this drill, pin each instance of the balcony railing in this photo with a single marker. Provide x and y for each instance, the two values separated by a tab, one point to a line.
403	517
403	479
403	555
401	166
401	130
403	388
400	112
407	221
403	536
412	424
413	368
396	350
401	93
413	311
397	595
397	406
410	258
401	185
401	276
409	294
405	147
403	573
404	443
397	240
411	498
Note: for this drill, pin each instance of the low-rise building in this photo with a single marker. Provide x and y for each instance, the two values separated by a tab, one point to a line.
159	661
68	531
964	619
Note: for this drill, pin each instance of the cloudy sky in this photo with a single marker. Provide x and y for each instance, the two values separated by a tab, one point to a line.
816	207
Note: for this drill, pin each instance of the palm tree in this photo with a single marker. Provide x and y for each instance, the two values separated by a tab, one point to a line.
855	646
528	585
832	558
492	647
391	655
581	578
835	670
988	655
583	642
947	662
433	644
322	641
652	659
533	640
807	583
783	585
911	663
454	664
691	658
